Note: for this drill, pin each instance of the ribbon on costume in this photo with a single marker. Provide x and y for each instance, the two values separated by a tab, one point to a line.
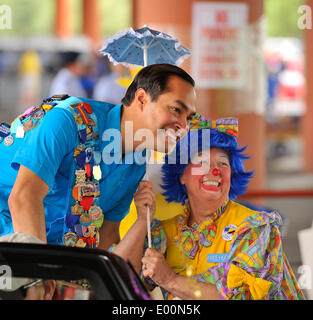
237	277
190	238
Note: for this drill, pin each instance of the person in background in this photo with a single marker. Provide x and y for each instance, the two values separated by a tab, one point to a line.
107	88
68	79
29	72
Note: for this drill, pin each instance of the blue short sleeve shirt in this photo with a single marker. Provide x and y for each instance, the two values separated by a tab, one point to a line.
48	151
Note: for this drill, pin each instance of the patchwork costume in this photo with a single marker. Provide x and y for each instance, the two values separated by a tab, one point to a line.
237	249
73	144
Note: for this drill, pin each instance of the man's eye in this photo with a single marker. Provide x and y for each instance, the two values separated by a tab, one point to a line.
225	164
175	109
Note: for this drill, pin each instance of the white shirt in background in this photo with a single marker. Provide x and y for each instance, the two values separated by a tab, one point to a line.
107	89
65	82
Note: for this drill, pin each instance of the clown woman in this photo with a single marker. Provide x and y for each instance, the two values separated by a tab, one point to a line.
214	248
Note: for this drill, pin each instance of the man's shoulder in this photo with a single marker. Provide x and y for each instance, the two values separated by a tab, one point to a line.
97	102
98	107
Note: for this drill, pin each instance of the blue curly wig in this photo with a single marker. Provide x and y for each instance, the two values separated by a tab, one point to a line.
196	141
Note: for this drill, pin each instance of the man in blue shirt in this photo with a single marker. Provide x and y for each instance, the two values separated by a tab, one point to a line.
37	174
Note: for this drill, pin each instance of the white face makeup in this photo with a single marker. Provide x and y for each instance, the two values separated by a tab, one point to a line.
208	177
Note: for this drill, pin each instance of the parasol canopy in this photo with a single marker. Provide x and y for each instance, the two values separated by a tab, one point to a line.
143	47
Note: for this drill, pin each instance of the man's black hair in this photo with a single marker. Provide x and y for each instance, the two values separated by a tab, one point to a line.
153	79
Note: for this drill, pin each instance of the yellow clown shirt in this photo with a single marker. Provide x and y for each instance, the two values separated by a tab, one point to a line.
237	249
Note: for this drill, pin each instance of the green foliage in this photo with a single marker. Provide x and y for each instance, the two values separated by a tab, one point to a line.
33	17
37	17
115	16
282	17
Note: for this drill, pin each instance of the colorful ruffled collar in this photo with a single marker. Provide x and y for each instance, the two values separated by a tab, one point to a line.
189	238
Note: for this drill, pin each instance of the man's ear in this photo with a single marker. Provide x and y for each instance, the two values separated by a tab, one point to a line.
141	97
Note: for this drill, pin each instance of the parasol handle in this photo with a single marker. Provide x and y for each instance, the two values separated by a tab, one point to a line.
145	56
145	53
146	177
149	227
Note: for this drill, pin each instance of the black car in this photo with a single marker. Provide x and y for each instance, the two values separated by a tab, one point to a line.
80	273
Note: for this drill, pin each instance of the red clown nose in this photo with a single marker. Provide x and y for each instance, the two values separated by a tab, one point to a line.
215	172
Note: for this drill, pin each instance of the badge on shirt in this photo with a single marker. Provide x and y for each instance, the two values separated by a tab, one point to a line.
8	140
47	106
82	135
96	172
69	239
89	154
39	115
16	123
57	97
27	112
97	157
20	132
229	232
27	125
4	130
217	257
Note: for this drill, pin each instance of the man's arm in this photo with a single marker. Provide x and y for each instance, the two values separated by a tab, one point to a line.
109	234
131	246
26	204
